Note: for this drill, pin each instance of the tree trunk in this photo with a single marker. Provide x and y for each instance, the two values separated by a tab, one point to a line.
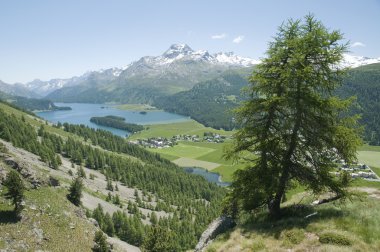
274	205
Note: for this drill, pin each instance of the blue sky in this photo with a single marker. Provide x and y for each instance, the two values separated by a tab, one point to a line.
59	39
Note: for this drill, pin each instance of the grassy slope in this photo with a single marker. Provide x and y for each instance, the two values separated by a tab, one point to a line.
47	209
357	221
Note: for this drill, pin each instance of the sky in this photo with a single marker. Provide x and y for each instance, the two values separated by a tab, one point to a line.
48	39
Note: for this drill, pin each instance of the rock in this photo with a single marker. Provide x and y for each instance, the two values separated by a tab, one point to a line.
39	233
26	171
72	225
54	182
94	222
216	227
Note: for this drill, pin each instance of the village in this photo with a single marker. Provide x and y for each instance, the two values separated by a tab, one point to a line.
357	170
163	142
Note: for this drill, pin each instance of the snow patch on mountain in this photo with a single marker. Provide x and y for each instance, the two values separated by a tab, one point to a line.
182	52
353	61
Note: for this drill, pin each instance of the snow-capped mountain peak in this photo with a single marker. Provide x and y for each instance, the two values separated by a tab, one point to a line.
353	61
180	52
176	50
233	59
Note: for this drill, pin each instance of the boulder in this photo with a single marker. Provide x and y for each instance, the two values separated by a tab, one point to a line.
218	226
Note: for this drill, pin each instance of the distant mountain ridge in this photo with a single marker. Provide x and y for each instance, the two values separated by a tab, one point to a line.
178	69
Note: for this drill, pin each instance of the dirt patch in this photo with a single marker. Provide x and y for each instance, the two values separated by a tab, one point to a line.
372	192
190	162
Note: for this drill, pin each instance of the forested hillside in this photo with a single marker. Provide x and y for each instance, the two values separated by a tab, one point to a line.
211	102
364	83
179	205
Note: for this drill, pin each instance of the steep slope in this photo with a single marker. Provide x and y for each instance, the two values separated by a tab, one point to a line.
126	187
210	102
364	83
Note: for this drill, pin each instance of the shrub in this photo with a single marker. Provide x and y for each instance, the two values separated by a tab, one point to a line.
294	236
334	238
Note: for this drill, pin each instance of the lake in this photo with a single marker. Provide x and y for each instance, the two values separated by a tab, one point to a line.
82	112
209	176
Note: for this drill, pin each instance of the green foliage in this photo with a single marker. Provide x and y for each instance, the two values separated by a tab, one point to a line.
159	239
335	239
292	121
16	188
364	82
101	244
117	123
293	236
81	173
75	191
23	135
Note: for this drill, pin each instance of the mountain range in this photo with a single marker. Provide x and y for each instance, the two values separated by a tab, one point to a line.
178	69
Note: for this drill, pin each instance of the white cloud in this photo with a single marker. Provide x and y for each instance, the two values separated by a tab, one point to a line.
238	39
358	44
219	36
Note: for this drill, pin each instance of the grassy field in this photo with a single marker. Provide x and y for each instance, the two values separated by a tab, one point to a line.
185	150
371	158
367	147
201	154
191	162
137	107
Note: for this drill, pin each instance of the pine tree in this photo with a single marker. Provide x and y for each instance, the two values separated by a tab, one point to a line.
75	191
159	239
101	244
81	173
292	124
16	188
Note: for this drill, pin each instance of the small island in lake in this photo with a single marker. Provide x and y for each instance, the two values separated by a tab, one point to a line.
143	112
116	122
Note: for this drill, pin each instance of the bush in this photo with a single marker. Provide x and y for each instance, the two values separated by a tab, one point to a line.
334	238
294	236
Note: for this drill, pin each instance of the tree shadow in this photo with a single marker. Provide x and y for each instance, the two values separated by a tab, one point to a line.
292	217
8	216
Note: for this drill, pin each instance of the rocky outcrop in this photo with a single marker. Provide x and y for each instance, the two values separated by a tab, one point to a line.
26	171
218	226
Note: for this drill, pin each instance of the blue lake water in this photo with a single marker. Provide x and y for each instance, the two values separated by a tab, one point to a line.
209	176
82	112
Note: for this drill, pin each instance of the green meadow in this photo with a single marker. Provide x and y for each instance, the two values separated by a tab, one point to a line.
186	153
